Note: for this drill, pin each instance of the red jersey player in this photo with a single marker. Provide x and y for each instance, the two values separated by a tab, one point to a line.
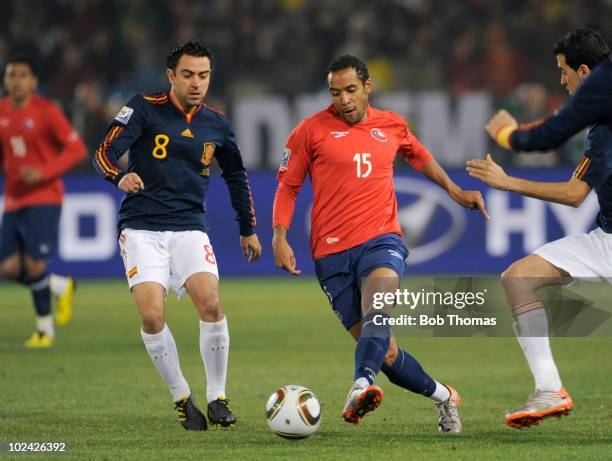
348	151
37	145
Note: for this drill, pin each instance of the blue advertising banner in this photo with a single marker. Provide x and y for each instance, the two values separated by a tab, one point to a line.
442	237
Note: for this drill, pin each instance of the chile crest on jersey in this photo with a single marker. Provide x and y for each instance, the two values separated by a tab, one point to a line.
378	134
366	148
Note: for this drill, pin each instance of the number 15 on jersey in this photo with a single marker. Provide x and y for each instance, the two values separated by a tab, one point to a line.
363	163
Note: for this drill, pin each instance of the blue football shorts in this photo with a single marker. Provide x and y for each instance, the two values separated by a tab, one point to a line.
340	274
31	230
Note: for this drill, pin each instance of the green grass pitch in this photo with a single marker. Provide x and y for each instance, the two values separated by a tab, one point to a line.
98	391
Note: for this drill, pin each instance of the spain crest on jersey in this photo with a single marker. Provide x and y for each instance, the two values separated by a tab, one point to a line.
207	153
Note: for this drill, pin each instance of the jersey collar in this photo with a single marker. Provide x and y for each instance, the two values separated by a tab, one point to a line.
32	101
176	104
332	110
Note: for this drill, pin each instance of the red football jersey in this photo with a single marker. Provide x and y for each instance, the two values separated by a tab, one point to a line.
38	135
351	170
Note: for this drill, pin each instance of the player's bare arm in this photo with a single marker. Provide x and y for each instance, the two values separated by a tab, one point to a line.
131	182
572	192
283	253
471	199
251	248
501	125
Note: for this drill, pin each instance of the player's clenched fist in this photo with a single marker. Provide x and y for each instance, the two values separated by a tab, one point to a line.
31	174
251	248
500	126
131	182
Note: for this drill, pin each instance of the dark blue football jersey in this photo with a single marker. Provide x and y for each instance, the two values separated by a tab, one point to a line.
172	152
590	106
592	103
595	169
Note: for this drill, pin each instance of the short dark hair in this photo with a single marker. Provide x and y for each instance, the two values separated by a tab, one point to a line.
583	46
23	58
348	61
189	48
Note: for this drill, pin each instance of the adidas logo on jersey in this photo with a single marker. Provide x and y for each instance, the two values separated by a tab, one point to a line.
187	133
339	134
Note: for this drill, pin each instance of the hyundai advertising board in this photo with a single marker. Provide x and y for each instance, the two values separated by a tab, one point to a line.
442	237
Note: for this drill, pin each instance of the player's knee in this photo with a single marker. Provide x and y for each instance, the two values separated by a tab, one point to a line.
210	308
152	321
151	312
381	285
391	355
10	269
35	268
532	266
518	270
375	291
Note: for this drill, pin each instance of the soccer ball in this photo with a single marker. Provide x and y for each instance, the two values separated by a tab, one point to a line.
293	412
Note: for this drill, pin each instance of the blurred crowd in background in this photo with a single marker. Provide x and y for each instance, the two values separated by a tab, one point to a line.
95	53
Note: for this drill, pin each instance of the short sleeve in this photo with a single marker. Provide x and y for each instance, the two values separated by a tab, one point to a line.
414	153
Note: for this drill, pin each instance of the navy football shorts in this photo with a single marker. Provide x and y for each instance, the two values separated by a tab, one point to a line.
31	230
340	274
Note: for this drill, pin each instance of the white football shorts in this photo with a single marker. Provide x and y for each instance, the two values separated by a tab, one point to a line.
586	257
166	257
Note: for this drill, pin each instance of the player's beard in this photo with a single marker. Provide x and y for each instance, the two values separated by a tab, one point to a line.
20	98
353	117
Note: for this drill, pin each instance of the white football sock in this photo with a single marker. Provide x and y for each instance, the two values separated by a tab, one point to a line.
57	284
441	394
532	334
361	382
45	325
214	348
162	350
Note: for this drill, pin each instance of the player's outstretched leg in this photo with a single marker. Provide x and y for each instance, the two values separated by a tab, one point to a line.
364	397
406	372
203	287
13	268
520	282
214	348
373	337
44	335
361	400
550	397
33	274
63	289
540	405
448	416
162	350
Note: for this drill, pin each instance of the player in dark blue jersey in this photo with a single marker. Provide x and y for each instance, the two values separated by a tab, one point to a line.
581	55
172	138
